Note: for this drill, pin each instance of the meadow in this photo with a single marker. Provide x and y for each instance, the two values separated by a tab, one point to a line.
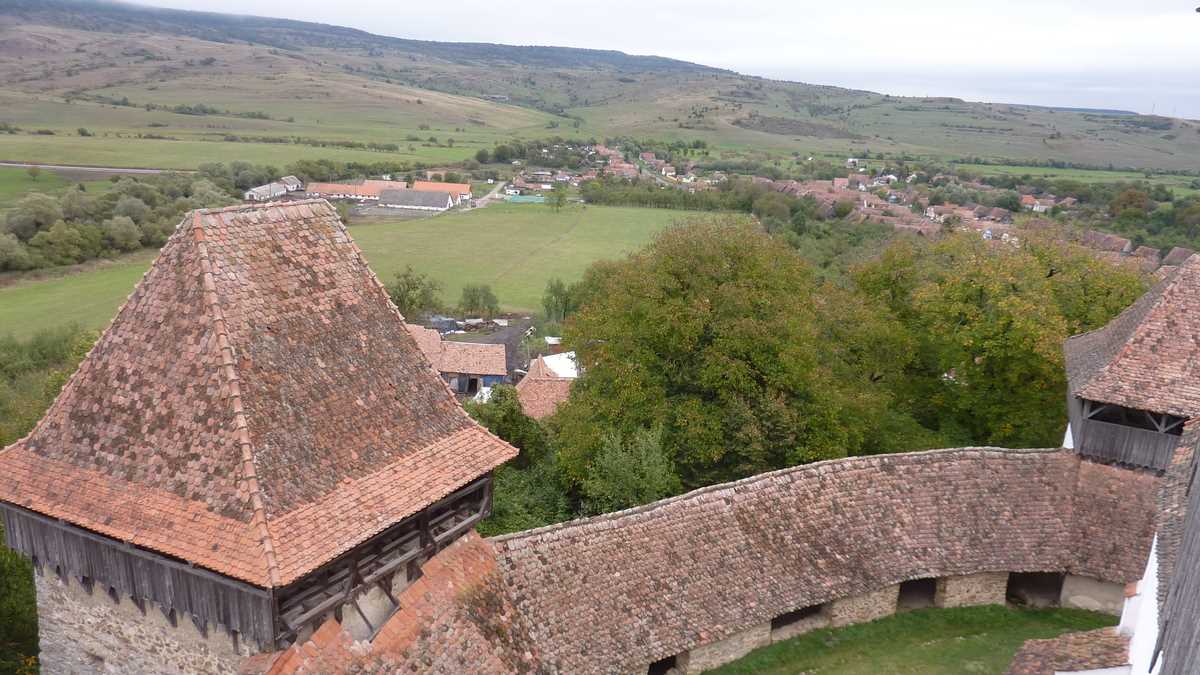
514	248
1181	185
16	182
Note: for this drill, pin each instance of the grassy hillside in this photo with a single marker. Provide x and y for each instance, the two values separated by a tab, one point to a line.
63	64
515	249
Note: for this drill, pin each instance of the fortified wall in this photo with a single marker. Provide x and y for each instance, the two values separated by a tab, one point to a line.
257	456
701	579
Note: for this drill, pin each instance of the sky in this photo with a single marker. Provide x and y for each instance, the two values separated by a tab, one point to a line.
1140	55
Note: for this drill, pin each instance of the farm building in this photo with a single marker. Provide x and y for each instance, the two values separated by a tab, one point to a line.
461	191
467	367
265	193
416	200
366	190
273	190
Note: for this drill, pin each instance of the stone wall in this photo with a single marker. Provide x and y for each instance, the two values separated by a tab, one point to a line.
713	654
83	633
865	607
705	566
1092	594
985	588
802	626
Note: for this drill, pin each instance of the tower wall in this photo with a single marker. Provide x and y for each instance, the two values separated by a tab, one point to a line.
82	631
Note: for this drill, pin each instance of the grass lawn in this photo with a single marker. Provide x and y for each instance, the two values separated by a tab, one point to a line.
16	182
922	642
89	298
514	248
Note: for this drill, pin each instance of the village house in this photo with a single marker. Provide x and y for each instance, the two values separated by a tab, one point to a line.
547	385
468	367
416	200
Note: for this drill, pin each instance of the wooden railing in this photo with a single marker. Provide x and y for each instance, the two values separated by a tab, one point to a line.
1127	445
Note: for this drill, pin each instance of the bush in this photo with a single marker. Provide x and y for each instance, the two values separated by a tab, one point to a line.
34	213
628	472
121	234
13	254
132	208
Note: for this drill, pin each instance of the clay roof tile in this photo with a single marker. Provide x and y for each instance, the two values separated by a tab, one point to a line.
256	407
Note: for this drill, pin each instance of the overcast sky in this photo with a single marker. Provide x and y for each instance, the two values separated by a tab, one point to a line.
1141	55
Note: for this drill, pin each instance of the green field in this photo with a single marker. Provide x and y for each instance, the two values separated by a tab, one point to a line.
924	642
88	298
515	249
1180	184
16	183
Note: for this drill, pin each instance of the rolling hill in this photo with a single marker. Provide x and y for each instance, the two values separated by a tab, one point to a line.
175	88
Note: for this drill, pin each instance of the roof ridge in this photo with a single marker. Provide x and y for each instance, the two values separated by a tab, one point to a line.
229	371
396	310
84	362
258	206
826	465
1168	285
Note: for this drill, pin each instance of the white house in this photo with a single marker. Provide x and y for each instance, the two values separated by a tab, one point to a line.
265	193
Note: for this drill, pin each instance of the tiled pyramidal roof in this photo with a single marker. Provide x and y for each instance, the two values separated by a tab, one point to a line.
1146	358
256	408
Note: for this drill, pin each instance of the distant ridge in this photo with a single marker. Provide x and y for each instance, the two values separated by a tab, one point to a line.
290	34
1092	111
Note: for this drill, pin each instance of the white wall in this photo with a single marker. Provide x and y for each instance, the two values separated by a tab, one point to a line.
1140	618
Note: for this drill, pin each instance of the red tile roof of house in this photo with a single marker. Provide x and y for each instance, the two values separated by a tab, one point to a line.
458	189
1145	358
540	396
256	408
470	358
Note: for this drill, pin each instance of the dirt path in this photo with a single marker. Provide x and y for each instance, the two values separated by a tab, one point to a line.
89	169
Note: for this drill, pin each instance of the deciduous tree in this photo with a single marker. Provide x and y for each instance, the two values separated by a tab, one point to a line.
721	336
414	293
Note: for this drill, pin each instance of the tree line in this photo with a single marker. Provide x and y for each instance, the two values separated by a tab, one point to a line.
717	352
